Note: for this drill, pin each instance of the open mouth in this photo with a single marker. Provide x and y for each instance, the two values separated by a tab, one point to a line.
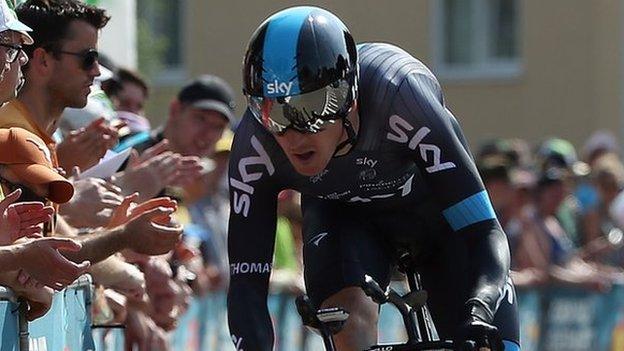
304	156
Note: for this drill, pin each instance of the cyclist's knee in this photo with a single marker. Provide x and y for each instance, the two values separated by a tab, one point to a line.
360	331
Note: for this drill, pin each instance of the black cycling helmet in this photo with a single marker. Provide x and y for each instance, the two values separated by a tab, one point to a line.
300	70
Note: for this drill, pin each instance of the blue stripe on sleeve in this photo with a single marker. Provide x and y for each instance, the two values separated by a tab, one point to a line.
473	209
280	51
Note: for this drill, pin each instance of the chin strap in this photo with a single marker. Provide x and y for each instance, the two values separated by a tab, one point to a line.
346	124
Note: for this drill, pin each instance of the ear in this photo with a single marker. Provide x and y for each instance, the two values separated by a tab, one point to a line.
175	108
41	62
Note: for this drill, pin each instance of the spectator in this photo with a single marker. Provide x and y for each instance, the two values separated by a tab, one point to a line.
544	247
28	165
197	119
602	222
34	260
60	27
93	203
559	153
62	64
39	258
13	35
25	161
495	173
208	206
514	152
127	90
599	142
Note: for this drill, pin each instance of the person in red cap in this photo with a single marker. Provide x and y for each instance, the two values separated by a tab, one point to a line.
27	164
26	168
22	248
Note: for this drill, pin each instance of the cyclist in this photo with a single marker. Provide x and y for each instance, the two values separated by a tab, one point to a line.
363	133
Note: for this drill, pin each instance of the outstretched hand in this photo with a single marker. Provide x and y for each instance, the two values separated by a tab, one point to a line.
22	219
151	232
128	210
156	169
93	141
42	260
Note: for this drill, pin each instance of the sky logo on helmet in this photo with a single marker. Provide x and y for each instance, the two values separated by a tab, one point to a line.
279	88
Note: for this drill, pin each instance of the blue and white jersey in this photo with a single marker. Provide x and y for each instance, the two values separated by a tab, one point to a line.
409	151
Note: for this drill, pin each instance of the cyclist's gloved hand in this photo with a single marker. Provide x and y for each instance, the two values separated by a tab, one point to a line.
307	312
475	334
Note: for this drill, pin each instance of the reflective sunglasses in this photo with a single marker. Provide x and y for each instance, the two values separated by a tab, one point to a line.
89	57
11	52
308	113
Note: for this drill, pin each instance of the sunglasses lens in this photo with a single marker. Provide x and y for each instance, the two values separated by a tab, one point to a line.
90	59
10	53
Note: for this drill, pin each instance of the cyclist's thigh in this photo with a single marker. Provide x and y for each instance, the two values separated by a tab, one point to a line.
340	246
445	277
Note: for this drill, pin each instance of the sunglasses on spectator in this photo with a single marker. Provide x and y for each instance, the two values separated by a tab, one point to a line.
11	52
89	57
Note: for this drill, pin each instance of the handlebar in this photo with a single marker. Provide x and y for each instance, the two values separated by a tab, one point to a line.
373	290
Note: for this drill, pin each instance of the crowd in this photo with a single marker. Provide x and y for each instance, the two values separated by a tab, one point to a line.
562	215
152	232
68	208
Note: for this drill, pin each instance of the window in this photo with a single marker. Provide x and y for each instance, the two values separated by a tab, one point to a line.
161	40
476	39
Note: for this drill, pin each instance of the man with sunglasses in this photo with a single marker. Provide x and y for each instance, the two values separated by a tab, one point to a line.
62	63
362	131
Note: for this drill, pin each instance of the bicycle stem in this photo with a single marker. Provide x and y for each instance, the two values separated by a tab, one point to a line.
407	313
413	281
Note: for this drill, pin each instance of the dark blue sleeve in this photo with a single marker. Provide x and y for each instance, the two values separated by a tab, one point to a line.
251	237
431	134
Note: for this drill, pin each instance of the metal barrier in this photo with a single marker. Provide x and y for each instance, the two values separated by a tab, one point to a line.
108	337
550	319
9	315
67	326
572	319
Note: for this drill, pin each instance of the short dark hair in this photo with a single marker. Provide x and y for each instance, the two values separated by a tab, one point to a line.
50	20
127	76
113	86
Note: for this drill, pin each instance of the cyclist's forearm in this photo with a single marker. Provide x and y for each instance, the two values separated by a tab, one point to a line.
248	318
489	262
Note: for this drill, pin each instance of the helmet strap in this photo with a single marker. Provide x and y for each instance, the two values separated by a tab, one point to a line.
348	127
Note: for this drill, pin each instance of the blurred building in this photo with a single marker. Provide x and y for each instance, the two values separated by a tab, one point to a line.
508	67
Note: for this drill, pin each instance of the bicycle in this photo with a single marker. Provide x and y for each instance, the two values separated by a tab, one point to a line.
412	307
